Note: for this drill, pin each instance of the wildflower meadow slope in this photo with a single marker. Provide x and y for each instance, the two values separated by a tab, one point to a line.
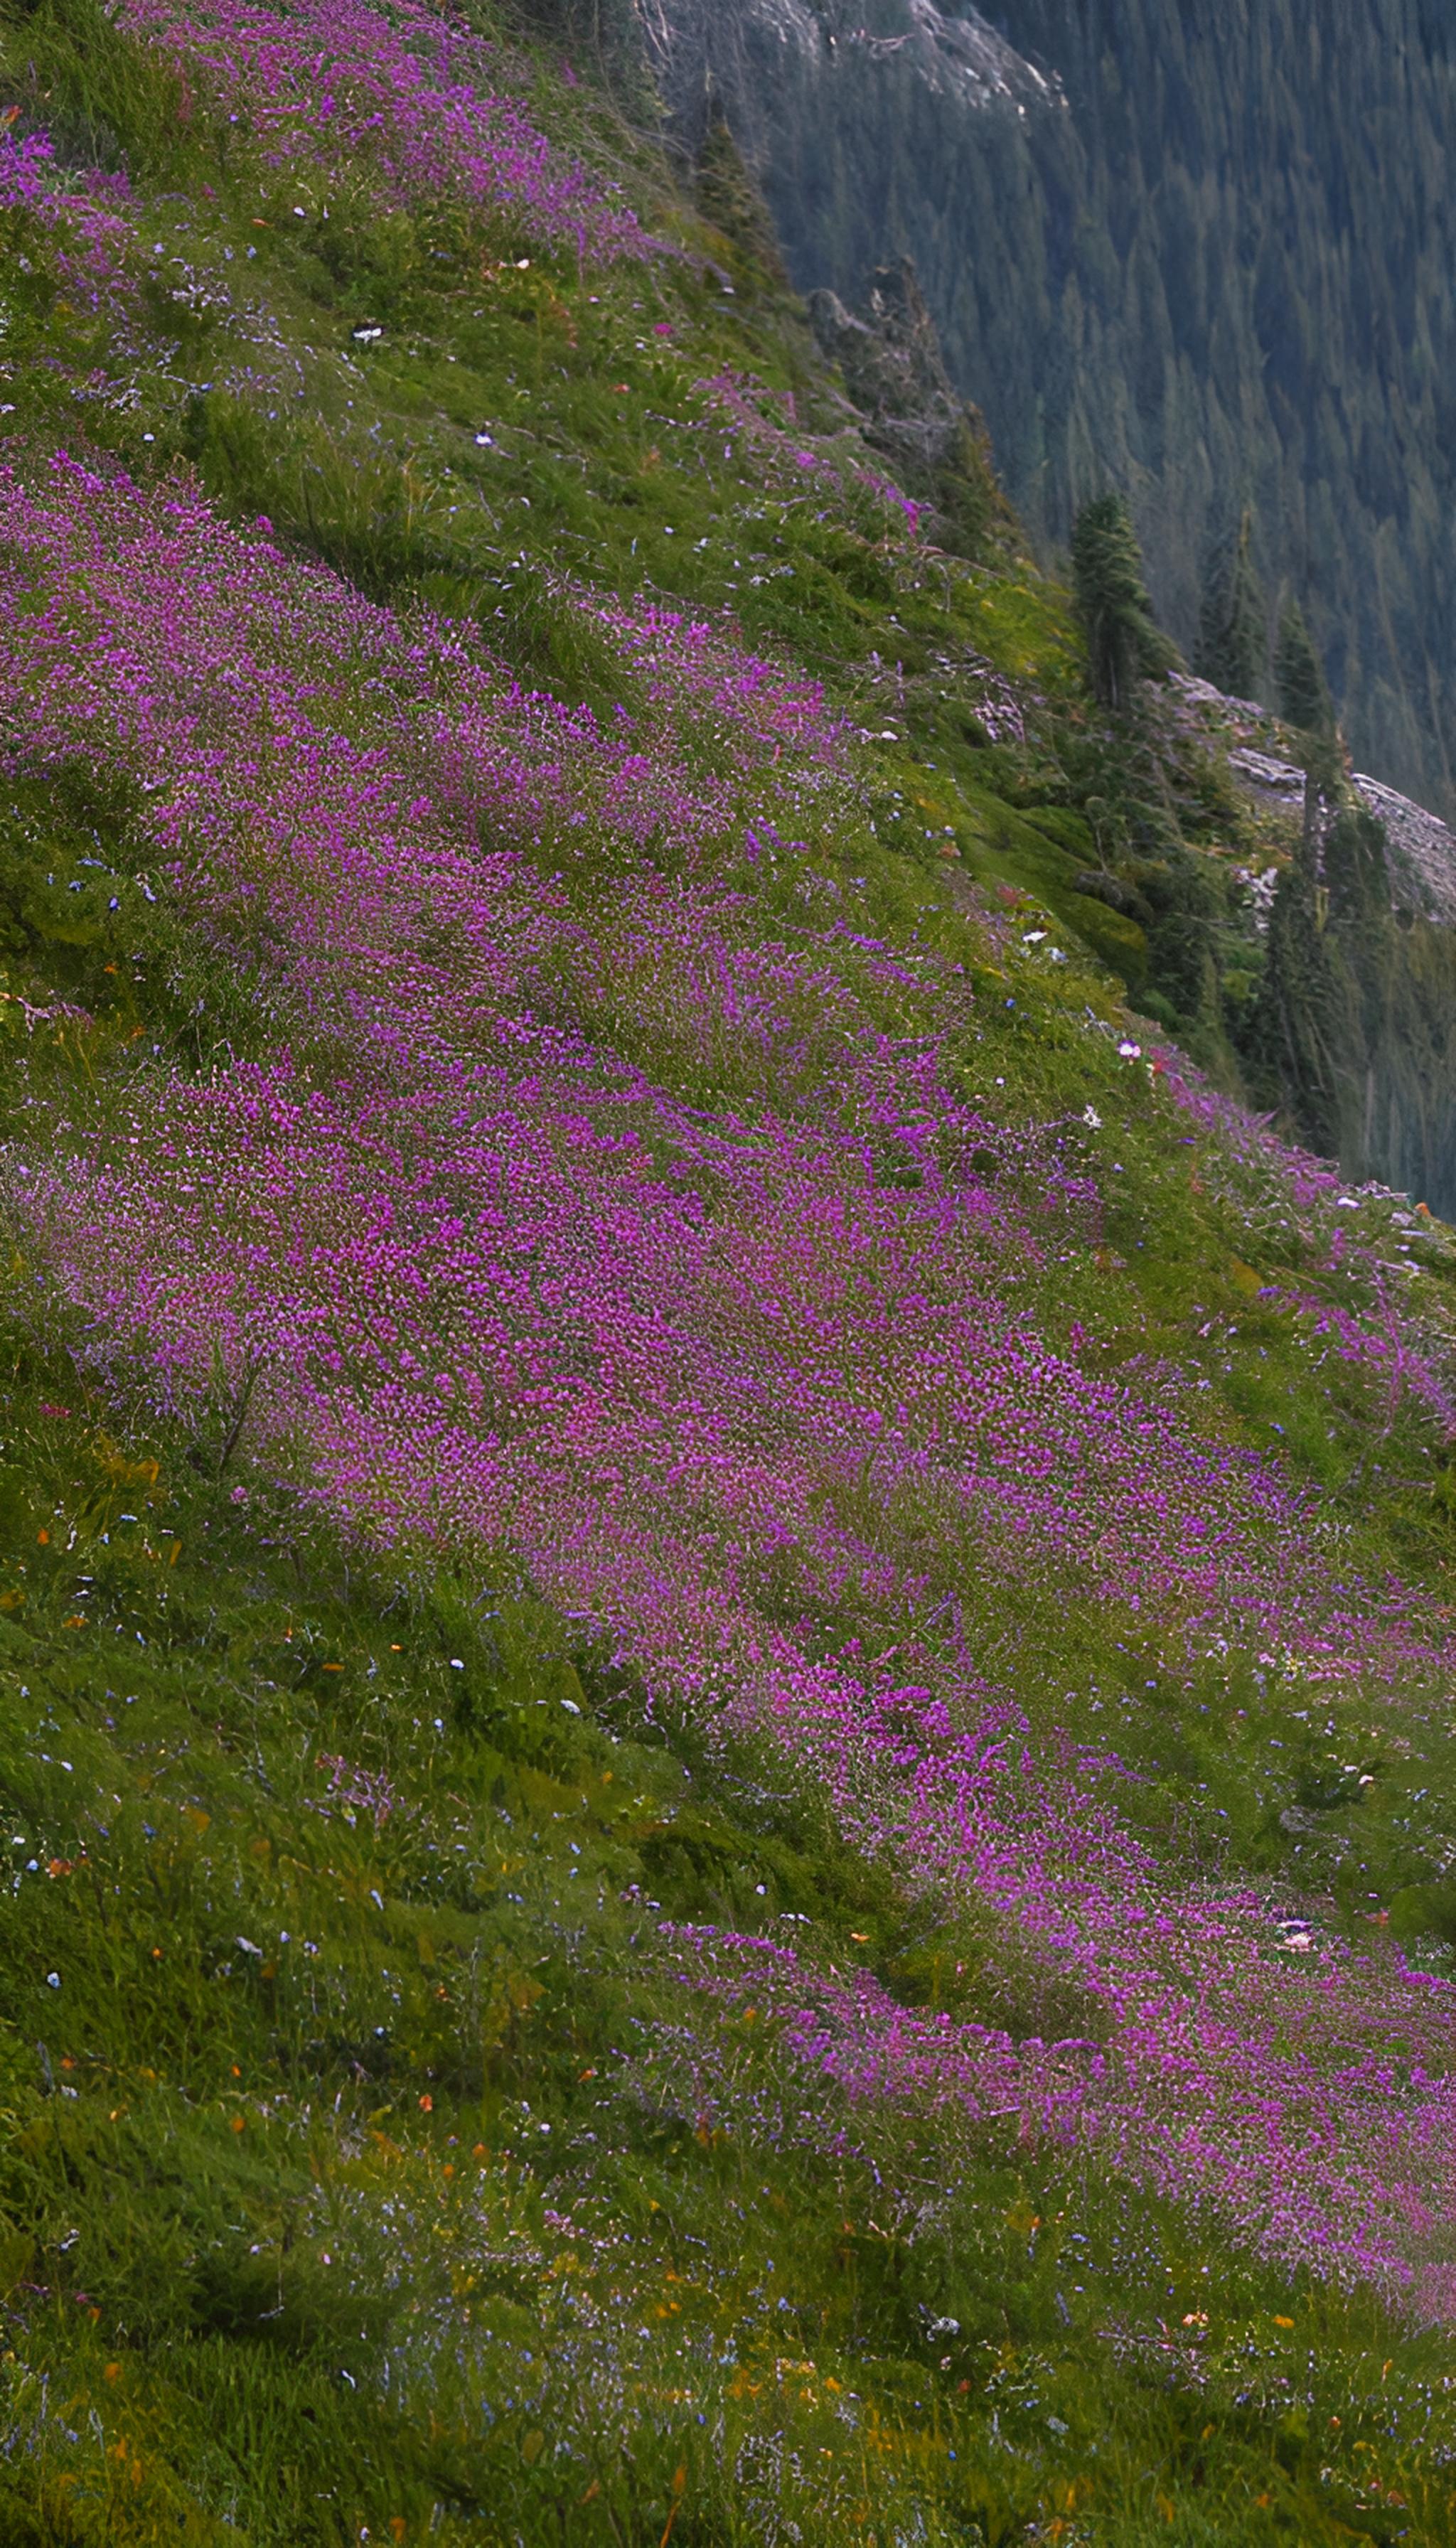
726	1628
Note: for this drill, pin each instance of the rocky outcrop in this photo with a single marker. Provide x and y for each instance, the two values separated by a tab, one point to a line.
889	356
887	353
1420	853
1356	913
754	57
1419	849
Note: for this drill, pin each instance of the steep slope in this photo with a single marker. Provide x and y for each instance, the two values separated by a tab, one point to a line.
1203	254
725	1626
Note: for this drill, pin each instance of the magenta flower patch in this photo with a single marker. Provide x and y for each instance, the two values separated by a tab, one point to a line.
646	1236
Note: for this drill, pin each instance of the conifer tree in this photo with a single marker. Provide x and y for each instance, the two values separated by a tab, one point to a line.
1234	623
729	197
1299	676
1124	642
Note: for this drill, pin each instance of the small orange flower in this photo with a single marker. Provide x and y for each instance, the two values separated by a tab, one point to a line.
113	2370
426	2105
237	2122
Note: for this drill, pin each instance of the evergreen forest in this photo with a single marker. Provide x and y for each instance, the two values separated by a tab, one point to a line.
1212	266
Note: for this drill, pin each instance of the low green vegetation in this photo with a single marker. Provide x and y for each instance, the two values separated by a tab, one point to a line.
375	2161
340	2029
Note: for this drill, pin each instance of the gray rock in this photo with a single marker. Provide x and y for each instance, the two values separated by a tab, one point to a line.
1266	778
754	56
1420	853
1420	850
890	355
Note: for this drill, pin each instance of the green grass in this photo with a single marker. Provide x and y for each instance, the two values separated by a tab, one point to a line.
385	2062
195	2125
354	2168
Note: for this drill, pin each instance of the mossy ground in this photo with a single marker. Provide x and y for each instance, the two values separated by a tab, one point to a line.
339	2035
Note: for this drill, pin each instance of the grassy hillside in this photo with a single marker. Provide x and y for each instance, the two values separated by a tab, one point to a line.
725	1623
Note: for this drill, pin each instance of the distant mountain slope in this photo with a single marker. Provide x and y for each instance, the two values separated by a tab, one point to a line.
702	47
1206	253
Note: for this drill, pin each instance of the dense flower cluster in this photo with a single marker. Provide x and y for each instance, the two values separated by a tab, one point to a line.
85	211
654	1242
1325	2134
339	85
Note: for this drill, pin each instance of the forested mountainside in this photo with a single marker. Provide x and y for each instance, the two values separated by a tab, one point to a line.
1201	254
725	1617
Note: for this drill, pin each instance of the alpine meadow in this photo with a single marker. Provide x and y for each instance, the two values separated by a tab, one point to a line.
727	1362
